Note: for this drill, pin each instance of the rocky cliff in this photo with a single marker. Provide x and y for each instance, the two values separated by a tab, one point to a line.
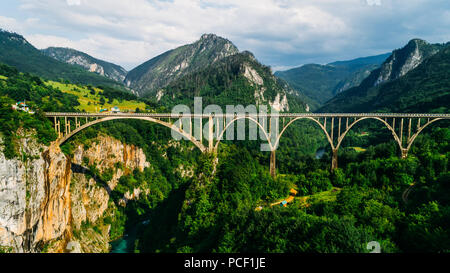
404	60
47	198
89	63
34	197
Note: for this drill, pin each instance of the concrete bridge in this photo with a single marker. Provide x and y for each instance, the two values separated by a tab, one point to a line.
404	127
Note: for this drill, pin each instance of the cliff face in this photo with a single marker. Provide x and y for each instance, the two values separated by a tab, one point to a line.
404	60
34	197
46	200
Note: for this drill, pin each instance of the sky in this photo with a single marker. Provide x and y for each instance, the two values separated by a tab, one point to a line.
281	33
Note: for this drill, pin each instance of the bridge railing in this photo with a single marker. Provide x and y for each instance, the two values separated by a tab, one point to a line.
290	115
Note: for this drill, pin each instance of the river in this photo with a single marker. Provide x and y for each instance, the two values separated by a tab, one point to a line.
126	243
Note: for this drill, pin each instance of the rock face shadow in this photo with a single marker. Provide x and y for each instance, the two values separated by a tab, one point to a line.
77	168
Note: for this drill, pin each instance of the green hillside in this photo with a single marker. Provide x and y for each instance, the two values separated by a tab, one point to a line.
16	51
92	99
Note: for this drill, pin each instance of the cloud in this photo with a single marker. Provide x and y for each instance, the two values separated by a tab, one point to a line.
73	2
10	24
374	2
281	33
102	47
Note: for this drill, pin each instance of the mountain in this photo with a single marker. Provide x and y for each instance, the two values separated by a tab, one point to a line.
402	61
171	65
89	63
319	83
415	78
233	80
16	51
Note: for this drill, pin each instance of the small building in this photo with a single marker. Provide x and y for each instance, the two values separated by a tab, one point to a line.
104	110
283	203
22	106
115	109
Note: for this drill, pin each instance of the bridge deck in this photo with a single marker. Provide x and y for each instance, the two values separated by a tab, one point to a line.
286	115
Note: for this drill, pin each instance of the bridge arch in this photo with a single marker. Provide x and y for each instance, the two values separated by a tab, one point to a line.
197	143
330	141
340	138
388	126
404	149
413	138
219	139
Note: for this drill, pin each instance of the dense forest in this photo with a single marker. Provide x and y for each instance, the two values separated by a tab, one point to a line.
217	212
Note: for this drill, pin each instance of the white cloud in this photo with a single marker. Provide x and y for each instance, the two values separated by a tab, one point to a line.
374	2
102	47
9	24
279	32
73	2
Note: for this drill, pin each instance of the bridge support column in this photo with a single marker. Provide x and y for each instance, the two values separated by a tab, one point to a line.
210	134
273	164
404	153
334	160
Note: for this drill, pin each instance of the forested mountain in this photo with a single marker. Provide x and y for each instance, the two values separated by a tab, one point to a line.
89	63
414	79
16	51
236	79
171	65
319	83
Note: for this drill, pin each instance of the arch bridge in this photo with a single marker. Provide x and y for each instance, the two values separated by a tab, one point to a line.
404	127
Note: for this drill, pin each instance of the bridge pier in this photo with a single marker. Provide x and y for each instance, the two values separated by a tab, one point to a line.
273	169
334	160
210	134
404	153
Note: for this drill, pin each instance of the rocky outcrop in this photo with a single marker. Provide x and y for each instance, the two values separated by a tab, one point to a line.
404	60
106	152
90	200
86	61
279	104
46	197
34	197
